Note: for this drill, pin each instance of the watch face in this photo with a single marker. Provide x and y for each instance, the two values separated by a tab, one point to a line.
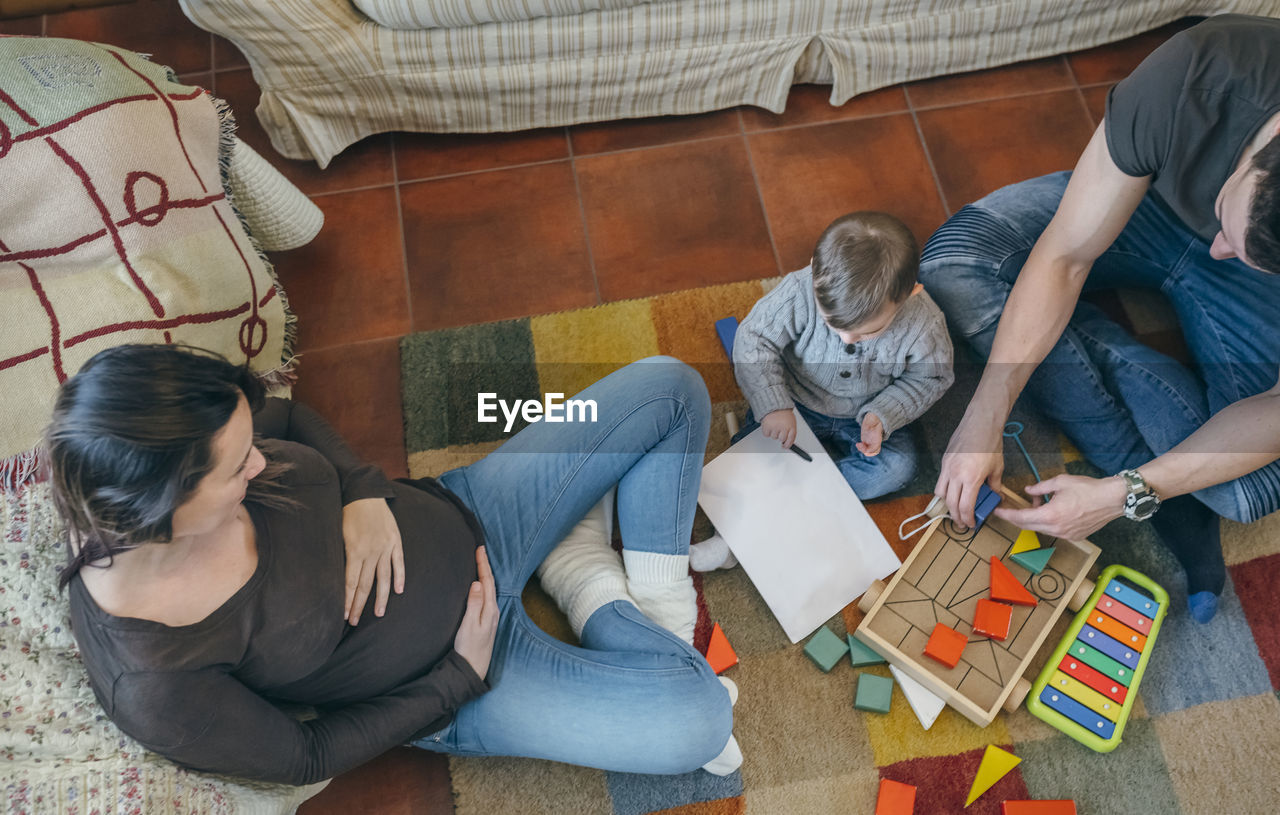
1145	506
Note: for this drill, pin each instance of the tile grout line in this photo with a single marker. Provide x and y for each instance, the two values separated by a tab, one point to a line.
983	99
1084	103
928	156
755	179
582	215
404	243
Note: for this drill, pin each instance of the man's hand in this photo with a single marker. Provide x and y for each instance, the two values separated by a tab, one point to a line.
1080	506
374	550
974	456
479	629
872	436
780	425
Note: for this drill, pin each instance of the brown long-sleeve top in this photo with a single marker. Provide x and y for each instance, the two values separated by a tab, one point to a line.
204	694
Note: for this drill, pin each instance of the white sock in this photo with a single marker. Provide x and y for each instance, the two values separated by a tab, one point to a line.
730	686
713	553
661	587
730	759
583	572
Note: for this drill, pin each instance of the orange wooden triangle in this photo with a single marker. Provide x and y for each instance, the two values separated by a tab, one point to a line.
1004	586
719	652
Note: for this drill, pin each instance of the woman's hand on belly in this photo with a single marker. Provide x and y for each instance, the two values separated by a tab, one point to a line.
374	551
480	622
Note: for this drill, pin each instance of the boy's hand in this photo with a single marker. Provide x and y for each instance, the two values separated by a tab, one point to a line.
780	425
872	436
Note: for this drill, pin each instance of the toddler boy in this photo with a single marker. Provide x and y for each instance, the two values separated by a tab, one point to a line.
856	346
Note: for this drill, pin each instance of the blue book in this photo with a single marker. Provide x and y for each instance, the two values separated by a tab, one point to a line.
727	328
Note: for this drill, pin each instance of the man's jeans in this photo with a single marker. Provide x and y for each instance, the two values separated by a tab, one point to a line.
634	697
1120	402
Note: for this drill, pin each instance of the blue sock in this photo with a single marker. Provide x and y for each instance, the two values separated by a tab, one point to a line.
1202	605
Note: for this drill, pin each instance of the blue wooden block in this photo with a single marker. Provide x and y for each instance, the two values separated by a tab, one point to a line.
988	500
727	328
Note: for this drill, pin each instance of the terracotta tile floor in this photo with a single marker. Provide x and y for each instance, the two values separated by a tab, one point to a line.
428	231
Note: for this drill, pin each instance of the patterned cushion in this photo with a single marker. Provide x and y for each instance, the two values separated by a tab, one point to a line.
114	225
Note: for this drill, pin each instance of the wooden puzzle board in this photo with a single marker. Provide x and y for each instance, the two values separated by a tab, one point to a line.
942	581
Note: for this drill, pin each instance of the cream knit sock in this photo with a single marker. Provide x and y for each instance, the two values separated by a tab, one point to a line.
662	589
583	572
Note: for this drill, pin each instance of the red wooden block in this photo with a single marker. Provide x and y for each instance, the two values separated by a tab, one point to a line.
895	798
945	645
992	619
720	654
1038	808
1004	586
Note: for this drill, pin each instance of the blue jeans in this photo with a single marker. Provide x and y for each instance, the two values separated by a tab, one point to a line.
635	697
869	476
1120	402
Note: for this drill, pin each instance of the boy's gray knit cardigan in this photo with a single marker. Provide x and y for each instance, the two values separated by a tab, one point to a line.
784	353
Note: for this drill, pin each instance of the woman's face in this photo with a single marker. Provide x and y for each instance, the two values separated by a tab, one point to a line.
218	495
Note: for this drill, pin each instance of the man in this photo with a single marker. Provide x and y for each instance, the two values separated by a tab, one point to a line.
1178	190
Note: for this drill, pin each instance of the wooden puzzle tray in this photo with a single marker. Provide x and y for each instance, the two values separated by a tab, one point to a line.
941	582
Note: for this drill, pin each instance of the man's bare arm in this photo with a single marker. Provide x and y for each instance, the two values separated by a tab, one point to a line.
1236	440
1096	206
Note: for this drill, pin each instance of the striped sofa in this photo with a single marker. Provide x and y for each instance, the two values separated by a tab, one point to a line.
335	71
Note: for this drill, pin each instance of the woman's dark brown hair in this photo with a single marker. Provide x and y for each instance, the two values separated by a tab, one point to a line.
131	438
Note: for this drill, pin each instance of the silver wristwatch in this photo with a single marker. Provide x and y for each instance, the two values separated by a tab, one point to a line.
1141	502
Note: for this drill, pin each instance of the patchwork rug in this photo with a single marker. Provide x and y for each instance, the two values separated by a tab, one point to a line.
1203	737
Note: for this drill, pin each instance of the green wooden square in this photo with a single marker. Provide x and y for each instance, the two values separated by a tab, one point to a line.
825	649
874	693
861	654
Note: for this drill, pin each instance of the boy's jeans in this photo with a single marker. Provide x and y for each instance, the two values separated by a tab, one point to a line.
869	476
1120	402
634	697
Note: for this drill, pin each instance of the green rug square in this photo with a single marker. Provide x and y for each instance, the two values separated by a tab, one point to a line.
443	373
1135	778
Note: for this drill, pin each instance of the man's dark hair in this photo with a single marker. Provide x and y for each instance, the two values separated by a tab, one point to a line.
863	261
1262	235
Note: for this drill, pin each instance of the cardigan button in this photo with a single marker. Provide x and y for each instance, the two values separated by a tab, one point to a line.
848	348
844	374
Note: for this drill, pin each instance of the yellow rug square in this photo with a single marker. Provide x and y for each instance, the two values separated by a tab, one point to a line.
573	349
898	736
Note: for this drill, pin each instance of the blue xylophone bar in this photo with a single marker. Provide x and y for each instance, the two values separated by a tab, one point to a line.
1132	598
1077	713
1113	648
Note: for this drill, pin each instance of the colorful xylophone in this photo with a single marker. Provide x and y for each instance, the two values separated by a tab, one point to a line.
1089	684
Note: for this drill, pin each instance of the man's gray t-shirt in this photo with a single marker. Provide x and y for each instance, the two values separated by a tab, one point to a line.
1186	114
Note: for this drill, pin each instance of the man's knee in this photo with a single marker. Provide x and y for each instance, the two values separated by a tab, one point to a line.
1246	499
962	264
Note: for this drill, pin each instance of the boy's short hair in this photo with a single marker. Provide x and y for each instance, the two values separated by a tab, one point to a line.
863	261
